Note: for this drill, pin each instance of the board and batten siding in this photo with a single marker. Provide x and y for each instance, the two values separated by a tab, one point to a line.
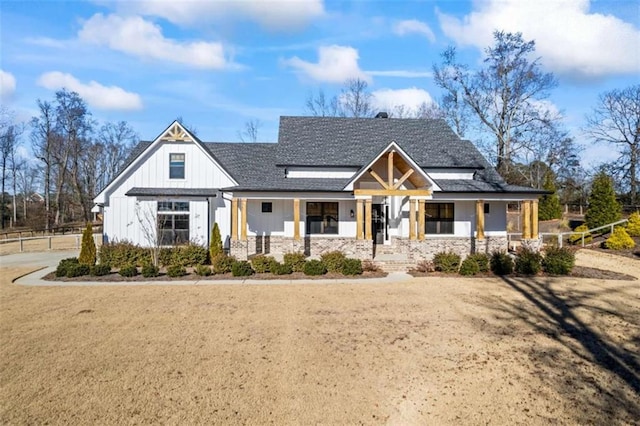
152	171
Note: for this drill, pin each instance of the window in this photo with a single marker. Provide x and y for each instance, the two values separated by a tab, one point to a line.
173	224
176	166
322	218
439	218
267	207
487	208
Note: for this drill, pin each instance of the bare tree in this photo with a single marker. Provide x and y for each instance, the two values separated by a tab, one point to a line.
114	142
505	96
43	138
250	132
424	110
9	134
27	184
616	120
150	228
354	100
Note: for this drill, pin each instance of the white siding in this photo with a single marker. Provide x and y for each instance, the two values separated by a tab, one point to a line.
120	219
318	172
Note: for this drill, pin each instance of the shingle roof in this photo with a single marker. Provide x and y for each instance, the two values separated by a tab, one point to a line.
336	141
176	192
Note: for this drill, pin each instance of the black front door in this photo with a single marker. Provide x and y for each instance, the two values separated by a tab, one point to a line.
378	223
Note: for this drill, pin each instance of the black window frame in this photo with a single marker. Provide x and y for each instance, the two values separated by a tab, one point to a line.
487	208
177	168
439	223
171	219
267	207
324	223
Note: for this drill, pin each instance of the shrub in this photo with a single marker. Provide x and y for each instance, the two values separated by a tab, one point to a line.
128	271
295	260
165	256
222	263
446	262
64	265
175	271
261	263
528	262
469	267
77	270
215	243
333	260
351	267
189	255
425	266
369	266
88	249
241	268
619	240
549	206
150	270
633	226
501	263
314	267
603	206
100	270
558	261
203	270
577	238
278	268
481	259
123	253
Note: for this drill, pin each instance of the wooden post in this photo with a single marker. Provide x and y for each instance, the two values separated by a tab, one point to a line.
359	217
390	169
421	218
526	220
243	229
234	219
296	218
534	219
367	219
480	220
412	219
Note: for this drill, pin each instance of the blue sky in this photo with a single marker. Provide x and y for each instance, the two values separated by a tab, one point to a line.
219	64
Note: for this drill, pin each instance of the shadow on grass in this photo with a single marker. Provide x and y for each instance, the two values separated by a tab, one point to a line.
585	379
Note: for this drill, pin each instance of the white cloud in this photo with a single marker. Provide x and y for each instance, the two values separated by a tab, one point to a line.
569	39
7	85
273	15
336	64
413	26
401	73
135	36
410	99
94	93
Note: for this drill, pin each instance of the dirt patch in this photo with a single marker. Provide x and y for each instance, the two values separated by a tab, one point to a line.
441	350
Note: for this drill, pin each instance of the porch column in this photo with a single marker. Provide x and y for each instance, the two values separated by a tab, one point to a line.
234	219
421	219
367	219
534	219
359	217
480	220
243	229
526	220
412	219
296	218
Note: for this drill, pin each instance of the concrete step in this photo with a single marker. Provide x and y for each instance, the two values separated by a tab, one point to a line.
394	265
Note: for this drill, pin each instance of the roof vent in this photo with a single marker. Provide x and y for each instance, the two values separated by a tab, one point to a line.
382	114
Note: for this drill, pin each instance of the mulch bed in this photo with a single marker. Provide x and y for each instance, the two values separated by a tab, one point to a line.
115	277
577	272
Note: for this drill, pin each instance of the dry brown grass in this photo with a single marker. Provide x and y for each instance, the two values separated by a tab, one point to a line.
39	245
439	351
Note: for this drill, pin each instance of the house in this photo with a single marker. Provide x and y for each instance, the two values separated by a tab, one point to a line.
365	186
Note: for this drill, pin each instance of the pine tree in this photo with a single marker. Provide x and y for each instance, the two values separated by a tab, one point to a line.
215	243
88	249
549	207
603	206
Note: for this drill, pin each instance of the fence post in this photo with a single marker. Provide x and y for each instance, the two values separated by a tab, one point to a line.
583	239
77	242
559	240
21	244
49	238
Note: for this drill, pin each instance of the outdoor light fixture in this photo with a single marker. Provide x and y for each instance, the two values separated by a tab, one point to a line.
351	213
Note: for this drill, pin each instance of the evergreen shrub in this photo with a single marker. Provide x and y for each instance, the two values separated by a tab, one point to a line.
603	206
633	226
577	238
619	240
215	242
64	265
469	267
278	268
203	270
351	267
501	263
447	262
78	270
333	260
241	268
88	248
261	263
222	263
150	270
558	261
175	271
481	259
100	269
295	260
314	267
119	254
128	271
528	262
